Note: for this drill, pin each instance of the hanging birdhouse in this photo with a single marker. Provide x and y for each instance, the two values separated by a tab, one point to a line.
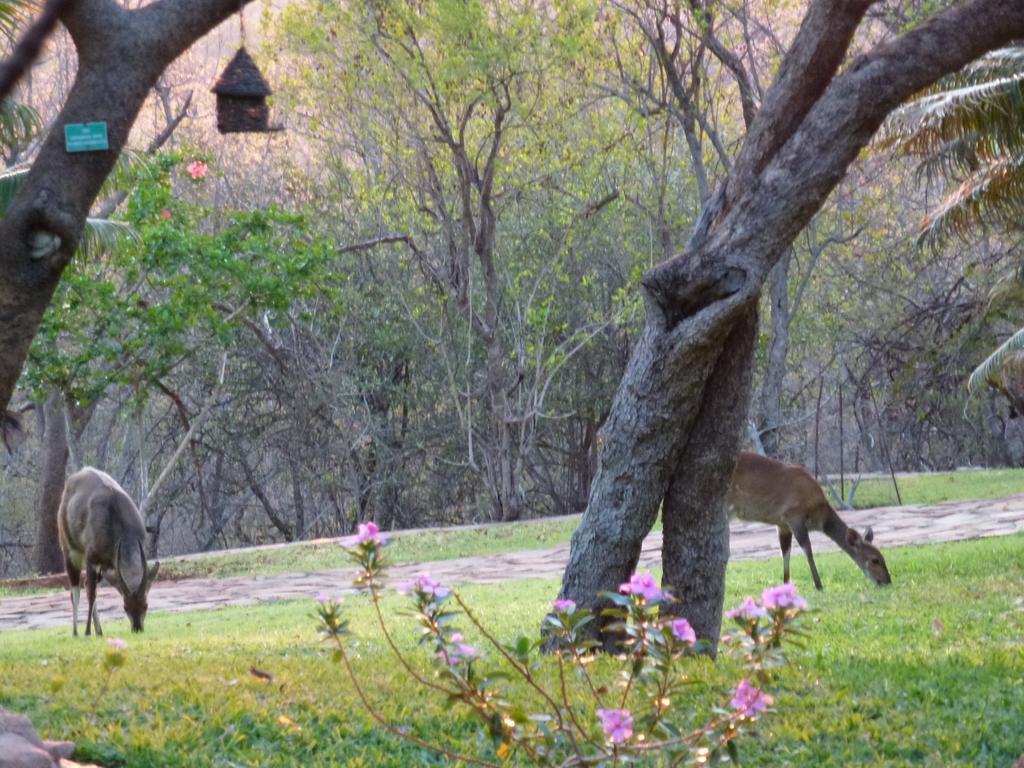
242	97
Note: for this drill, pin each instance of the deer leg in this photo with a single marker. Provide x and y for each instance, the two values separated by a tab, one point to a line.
90	590
74	581
804	540
786	543
95	610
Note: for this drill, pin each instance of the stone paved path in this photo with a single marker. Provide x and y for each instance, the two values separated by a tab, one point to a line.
894	526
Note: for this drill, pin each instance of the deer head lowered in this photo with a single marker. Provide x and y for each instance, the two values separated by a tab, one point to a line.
101	530
764	490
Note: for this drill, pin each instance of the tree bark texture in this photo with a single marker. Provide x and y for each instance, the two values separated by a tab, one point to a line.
121	53
653	409
671	419
696	528
47	557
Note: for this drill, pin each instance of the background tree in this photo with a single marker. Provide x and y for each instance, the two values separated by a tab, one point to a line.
966	133
672	434
449	122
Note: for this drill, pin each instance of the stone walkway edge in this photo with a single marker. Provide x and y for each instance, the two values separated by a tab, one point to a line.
894	526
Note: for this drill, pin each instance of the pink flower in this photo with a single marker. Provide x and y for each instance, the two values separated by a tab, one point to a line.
748	609
617	724
783	596
117	644
165	214
642	584
365	532
423	583
462	652
683	631
323	598
458	652
197	169
748	700
563	605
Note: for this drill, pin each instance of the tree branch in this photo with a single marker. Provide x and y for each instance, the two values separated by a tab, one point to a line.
773	197
807	69
204	412
382	240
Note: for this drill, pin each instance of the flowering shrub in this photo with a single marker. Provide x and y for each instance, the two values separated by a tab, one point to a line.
580	722
197	169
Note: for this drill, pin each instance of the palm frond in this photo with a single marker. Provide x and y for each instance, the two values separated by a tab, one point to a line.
18	123
102	235
954	158
131	164
13	15
997	63
11	180
992	196
983	116
969	130
988	371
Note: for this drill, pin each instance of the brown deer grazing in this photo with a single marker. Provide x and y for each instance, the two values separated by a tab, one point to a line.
764	490
102	530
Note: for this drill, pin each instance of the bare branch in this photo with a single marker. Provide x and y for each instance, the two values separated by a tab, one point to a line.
185	441
31	43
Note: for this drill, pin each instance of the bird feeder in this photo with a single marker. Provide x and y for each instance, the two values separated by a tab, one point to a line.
242	97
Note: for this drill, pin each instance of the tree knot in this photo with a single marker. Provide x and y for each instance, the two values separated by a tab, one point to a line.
680	296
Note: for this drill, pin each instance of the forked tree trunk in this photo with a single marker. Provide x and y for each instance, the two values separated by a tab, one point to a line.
651	418
673	428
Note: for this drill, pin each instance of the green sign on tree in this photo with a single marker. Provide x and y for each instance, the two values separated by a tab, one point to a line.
85	137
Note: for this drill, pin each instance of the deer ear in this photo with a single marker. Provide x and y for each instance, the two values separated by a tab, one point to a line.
852	537
869	535
130	566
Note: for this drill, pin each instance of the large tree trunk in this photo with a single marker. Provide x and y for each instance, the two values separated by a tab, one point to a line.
646	430
696	528
668	415
47	557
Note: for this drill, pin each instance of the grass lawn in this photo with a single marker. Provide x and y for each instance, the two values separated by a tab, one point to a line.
929	488
406	548
927	672
937	487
